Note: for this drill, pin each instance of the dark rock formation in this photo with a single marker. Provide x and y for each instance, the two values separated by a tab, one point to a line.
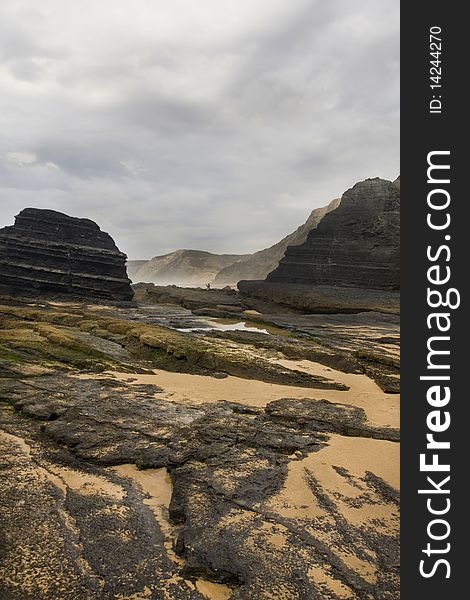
349	263
47	252
356	245
259	264
324	416
278	297
194	267
191	298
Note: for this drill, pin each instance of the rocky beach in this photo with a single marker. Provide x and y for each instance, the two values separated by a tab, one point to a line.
184	443
140	461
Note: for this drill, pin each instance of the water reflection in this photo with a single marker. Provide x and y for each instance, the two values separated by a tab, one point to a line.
211	325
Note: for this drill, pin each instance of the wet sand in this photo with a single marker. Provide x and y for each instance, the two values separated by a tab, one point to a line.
314	482
382	409
156	485
356	455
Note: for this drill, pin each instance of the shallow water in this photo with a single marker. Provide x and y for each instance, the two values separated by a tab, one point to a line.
182	319
213	325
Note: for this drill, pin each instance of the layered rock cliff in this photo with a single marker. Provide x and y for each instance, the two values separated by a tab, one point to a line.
261	263
355	245
349	262
47	252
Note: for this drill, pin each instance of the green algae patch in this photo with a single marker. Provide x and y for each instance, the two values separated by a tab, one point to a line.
48	334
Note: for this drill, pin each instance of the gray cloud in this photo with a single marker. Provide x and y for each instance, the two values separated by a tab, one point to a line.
210	124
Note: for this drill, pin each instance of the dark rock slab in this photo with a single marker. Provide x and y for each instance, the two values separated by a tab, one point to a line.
226	462
189	298
323	415
284	297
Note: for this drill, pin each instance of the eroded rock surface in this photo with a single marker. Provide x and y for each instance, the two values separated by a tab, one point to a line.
190	298
349	263
47	252
288	298
259	264
355	245
117	486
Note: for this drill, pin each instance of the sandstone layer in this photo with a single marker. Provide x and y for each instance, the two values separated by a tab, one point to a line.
49	253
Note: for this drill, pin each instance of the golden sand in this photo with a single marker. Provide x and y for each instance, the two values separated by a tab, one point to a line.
323	579
381	409
213	591
87	483
297	498
156	484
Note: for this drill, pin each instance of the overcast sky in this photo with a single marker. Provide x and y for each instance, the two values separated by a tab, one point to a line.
208	124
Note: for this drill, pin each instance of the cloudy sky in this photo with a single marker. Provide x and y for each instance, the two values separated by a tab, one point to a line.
209	124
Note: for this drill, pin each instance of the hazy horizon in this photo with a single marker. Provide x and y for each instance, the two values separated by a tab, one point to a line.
208	126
